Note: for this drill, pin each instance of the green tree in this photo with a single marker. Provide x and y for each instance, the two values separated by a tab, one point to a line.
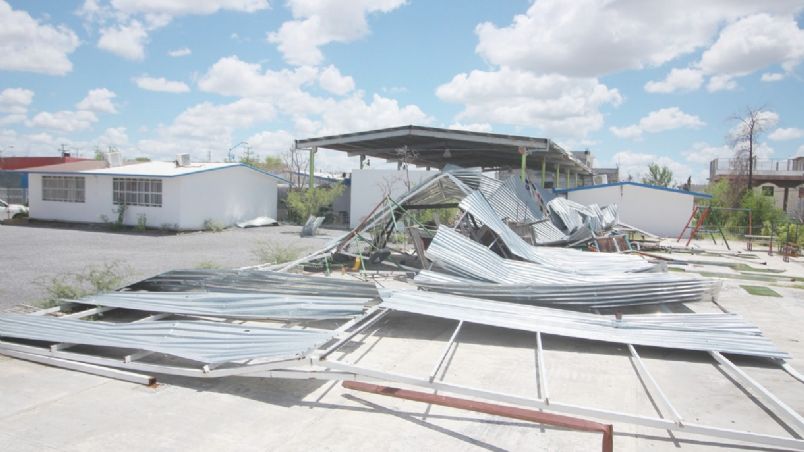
658	175
312	201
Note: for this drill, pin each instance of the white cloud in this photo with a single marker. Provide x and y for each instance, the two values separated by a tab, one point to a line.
772	76
677	80
125	24
721	83
176	53
206	127
14	104
659	121
65	121
114	136
188	7
270	142
28	45
161	84
317	23
474	127
590	38
755	42
98	100
635	164
331	80
564	106
791	133
230	76
127	41
703	153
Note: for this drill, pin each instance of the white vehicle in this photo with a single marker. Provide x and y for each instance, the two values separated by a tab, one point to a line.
8	211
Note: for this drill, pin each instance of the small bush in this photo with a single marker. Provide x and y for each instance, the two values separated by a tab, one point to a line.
275	253
213	226
207	265
142	222
316	201
92	280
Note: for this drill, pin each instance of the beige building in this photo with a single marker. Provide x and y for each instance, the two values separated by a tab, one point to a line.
781	179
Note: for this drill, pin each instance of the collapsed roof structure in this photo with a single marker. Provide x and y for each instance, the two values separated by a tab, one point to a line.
488	268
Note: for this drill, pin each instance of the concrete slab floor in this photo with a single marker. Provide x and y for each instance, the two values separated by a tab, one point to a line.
44	408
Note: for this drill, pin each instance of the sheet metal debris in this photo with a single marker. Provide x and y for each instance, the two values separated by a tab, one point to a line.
234	305
726	333
261	281
206	342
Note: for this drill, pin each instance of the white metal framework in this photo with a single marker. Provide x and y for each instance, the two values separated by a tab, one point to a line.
321	364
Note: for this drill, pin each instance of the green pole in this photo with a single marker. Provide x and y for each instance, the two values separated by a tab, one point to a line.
568	179
312	166
576	179
544	170
557	180
524	164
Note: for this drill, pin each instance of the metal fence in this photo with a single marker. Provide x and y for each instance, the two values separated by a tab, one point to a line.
14	195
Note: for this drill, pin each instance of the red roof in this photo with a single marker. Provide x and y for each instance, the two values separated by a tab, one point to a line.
13	163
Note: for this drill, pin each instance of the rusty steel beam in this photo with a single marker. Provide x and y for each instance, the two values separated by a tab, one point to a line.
522	414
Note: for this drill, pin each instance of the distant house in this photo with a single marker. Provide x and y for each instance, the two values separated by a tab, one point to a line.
659	210
163	194
14	174
779	179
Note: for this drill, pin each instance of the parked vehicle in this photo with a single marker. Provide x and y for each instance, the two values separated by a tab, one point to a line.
8	211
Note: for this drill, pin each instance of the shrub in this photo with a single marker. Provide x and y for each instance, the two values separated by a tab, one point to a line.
91	280
312	201
275	253
213	226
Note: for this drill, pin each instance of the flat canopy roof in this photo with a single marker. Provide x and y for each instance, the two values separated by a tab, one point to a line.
435	147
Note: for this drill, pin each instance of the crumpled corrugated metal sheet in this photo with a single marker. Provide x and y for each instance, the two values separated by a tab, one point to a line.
721	332
235	305
206	342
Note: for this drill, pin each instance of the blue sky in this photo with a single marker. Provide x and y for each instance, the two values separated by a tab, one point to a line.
634	82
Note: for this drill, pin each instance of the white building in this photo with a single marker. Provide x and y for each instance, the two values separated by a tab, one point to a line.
659	210
162	194
370	186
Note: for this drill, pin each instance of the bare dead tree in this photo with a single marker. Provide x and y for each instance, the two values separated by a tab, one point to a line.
752	123
296	161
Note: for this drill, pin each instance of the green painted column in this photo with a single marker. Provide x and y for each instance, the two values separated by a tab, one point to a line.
544	170
576	180
524	164
312	166
568	178
557	179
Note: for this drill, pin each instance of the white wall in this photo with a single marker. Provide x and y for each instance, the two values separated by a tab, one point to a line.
369	186
660	212
226	196
98	202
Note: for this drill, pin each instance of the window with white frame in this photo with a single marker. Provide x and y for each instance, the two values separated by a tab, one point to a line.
135	191
63	188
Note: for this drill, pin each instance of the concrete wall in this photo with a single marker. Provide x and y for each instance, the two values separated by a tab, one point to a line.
795	204
660	212
226	197
98	202
369	186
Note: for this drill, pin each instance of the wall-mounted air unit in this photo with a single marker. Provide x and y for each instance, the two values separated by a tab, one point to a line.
114	159
183	159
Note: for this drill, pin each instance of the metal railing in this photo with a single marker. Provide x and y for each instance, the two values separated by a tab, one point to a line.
733	166
14	195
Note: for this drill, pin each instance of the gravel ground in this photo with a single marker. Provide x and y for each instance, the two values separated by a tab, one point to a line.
32	254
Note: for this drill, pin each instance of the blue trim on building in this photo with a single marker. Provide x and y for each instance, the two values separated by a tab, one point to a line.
637	184
95	173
